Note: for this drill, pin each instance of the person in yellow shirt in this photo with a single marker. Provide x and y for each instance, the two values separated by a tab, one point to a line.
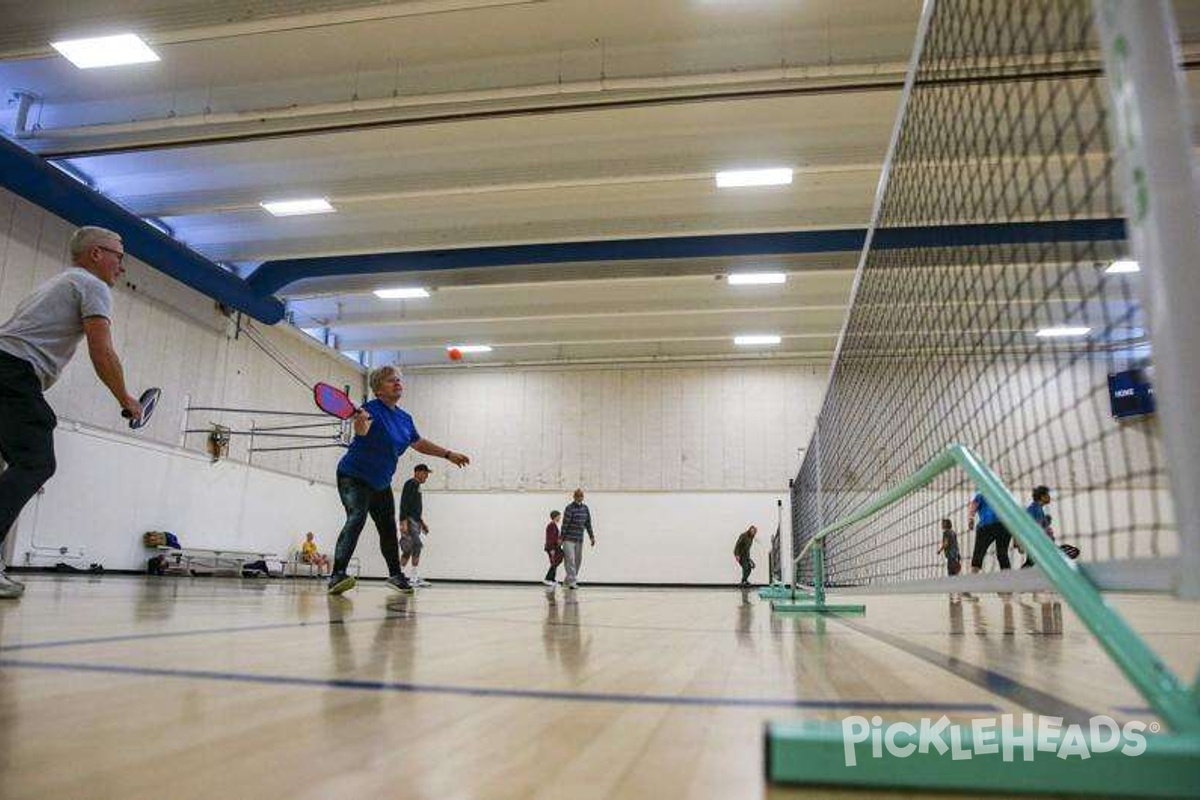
309	555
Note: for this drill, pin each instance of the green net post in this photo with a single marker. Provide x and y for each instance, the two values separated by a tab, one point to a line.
804	754
817	603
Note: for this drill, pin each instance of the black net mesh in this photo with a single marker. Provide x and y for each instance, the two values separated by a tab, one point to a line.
999	220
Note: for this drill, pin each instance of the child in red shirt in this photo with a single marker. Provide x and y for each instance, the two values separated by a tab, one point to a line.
553	549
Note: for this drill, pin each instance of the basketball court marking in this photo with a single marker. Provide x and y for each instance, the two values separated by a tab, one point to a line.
132	637
517	694
993	682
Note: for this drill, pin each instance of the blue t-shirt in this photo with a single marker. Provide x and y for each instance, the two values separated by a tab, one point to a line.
372	458
986	515
1039	514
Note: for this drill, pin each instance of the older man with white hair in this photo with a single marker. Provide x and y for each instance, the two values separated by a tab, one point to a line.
35	345
576	519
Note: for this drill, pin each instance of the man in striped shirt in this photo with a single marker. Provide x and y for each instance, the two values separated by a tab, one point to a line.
576	519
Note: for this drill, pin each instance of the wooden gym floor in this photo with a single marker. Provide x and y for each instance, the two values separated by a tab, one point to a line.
125	687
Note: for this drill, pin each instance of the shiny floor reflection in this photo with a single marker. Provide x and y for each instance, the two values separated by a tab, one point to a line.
199	688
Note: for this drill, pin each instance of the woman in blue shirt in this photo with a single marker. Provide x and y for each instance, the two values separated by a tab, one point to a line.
382	432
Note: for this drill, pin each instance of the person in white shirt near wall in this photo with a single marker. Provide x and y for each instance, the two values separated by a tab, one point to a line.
36	344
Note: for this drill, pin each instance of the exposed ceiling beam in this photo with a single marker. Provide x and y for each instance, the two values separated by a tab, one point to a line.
273	276
393	343
184	22
40	183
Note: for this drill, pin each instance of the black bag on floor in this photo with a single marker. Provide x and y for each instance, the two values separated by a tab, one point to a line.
255	569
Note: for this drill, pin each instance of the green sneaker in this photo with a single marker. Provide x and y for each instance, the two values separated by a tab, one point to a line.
339	583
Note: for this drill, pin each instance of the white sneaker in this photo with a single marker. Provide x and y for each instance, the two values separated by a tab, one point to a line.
549	583
421	582
9	587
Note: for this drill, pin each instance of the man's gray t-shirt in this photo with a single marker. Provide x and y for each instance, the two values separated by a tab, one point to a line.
48	324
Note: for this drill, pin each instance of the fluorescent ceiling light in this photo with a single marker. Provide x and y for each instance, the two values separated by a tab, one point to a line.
1063	331
748	341
106	51
753	177
470	348
755	278
1123	265
401	293
292	208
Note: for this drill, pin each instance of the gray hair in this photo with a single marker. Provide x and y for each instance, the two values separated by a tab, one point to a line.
90	236
381	374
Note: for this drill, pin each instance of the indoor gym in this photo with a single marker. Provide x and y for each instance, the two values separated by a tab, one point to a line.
547	173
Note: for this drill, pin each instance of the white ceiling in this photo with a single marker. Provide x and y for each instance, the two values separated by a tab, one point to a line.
459	124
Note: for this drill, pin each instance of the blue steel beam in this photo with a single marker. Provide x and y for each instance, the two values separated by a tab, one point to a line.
37	181
275	275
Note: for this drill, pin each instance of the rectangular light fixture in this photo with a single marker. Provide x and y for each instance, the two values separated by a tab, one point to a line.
470	348
1122	266
750	341
753	177
402	293
294	208
1063	332
106	51
755	278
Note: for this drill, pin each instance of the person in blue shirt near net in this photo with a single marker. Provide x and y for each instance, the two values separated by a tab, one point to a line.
382	432
1037	510
990	530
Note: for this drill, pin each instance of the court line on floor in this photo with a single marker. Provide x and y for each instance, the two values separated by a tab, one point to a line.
1024	695
468	614
136	637
514	694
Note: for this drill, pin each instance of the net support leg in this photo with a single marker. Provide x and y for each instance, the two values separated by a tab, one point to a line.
777	591
812	607
817	604
859	753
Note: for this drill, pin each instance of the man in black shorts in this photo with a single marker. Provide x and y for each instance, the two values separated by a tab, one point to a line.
412	524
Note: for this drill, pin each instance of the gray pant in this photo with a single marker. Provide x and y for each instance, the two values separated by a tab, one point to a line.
572	558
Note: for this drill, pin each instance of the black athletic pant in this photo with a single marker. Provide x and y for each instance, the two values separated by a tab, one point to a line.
747	567
360	499
26	438
556	557
984	536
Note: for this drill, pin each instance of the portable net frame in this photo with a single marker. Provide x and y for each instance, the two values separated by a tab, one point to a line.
999	215
1036	142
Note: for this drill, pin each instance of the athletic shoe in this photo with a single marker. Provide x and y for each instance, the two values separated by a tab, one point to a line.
399	583
421	582
572	585
9	587
549	583
339	583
